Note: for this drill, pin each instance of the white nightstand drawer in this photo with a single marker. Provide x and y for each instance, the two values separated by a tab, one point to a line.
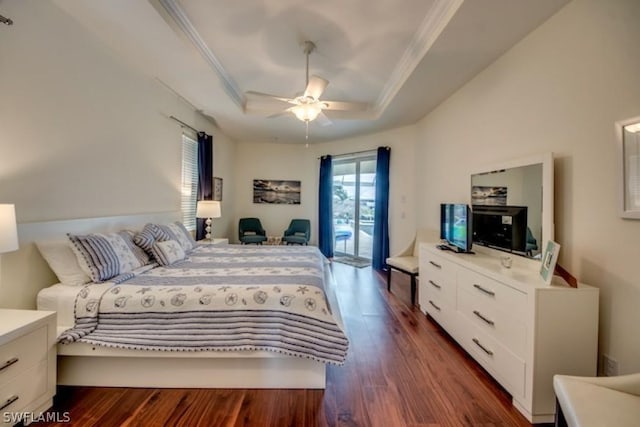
492	292
22	353
24	389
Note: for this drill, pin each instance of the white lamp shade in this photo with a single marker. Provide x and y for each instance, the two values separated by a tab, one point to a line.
8	228
208	209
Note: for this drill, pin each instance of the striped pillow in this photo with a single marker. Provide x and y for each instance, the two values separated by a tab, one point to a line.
104	256
149	235
168	252
179	233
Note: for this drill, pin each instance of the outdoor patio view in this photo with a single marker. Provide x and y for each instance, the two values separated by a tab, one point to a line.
353	206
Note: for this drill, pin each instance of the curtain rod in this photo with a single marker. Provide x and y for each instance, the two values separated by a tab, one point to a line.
371	151
184	124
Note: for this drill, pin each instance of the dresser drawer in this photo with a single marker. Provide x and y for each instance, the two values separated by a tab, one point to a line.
439	286
17	393
509	331
506	367
22	353
432	263
441	312
492	292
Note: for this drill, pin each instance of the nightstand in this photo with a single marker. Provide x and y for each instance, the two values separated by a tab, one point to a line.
27	363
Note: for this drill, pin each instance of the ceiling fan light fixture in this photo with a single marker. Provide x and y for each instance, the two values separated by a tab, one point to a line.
307	112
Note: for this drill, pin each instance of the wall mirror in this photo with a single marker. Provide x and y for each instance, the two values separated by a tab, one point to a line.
628	135
508	189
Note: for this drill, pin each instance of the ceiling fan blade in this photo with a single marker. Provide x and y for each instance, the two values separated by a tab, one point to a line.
315	87
261	103
279	114
253	94
345	106
323	120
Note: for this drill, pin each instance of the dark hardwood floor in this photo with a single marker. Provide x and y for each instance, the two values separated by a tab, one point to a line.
402	370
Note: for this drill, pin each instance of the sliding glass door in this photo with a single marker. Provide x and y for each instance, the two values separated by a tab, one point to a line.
353	205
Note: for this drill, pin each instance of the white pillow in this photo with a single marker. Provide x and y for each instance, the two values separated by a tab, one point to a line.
63	262
168	252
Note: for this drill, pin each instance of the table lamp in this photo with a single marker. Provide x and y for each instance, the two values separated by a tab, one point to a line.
8	228
208	209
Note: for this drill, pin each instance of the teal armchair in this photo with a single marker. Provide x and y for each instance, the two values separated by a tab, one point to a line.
250	231
298	233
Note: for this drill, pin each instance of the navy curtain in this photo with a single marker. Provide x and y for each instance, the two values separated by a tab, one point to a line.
325	207
381	219
205	177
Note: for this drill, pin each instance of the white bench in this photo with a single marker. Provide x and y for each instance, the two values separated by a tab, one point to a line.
597	401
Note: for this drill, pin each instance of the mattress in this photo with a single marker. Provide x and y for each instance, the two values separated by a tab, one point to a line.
61	299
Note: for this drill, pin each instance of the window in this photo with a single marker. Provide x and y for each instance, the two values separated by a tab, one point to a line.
189	182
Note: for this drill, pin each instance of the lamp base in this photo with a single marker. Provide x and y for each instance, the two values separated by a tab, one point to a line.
208	236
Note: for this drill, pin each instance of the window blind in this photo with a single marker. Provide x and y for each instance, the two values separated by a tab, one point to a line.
189	182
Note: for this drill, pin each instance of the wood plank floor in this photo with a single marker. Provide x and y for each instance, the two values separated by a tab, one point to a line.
402	370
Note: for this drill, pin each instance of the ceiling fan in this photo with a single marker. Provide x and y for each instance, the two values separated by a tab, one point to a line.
308	106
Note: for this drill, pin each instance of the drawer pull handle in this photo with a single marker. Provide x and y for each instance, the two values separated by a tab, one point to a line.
485	349
9	401
434	284
436	265
434	306
9	363
481	316
486	291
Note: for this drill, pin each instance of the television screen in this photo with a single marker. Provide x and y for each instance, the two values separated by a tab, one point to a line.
502	227
455	225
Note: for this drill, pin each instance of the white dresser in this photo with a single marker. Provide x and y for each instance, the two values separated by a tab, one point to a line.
519	329
27	363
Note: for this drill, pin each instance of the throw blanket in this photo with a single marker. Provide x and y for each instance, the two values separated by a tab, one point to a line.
221	298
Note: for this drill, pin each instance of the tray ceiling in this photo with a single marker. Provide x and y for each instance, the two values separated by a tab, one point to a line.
400	57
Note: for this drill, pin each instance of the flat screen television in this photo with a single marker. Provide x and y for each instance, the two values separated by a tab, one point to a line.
501	227
455	226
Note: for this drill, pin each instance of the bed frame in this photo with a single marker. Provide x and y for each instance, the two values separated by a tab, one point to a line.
84	364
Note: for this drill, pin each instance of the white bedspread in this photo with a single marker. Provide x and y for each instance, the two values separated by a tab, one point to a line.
223	298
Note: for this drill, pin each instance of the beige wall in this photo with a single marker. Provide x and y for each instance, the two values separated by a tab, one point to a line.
560	90
83	136
288	161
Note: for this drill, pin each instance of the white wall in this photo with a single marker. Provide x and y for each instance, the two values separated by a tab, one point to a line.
561	89
82	135
290	161
274	161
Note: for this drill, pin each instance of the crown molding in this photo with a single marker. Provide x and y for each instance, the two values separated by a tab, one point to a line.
429	30
175	11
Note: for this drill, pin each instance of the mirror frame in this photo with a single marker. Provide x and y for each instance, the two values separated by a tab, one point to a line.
622	157
547	214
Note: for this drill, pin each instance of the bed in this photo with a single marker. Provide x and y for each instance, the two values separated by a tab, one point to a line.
93	353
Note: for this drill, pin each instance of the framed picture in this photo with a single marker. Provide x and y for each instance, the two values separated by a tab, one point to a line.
274	191
217	189
549	260
628	135
488	195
